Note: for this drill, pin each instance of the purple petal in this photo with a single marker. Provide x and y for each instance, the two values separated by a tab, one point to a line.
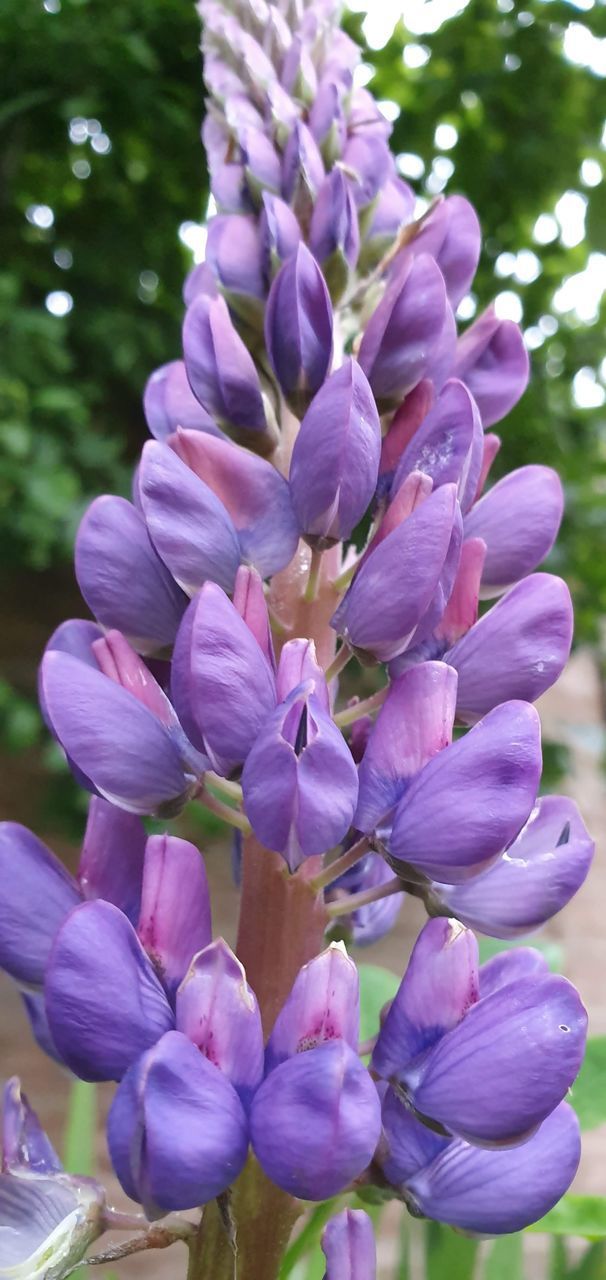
299	663
35	1011
218	1012
104	1003
121	577
442	446
117	660
518	519
369	158
370	923
404	334
222	684
24	1144
36	895
393	208
324	1005
249	600
254	494
300	782
533	880
31	1211
169	402
516	650
334	225
497	1192
451	234
298	327
409	1146
461	612
233	251
177	1132
335	460
414	723
472	799
175	907
130	757
111	861
280	233
220	369
316	1121
509	967
348	1244
493	362
507	1065
394	587
439	987
188	524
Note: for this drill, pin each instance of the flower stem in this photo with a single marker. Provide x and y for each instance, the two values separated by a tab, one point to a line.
364	708
313	580
339	662
345	906
342	864
231	790
224	811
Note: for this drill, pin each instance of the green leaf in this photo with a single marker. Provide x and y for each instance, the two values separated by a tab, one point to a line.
79	1148
448	1254
403	1267
377	986
575	1216
588	1094
506	1259
592	1265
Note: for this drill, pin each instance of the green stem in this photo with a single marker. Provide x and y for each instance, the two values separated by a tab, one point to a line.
224	811
342	864
364	708
313	580
339	662
344	906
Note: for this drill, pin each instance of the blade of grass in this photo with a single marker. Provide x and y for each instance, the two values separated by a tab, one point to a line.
80	1135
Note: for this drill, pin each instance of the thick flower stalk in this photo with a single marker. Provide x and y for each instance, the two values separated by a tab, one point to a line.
314	497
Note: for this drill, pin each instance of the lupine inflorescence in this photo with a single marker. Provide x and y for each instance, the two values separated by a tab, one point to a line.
313	494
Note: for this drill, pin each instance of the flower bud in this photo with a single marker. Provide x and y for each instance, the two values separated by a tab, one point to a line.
316	1121
233	250
177	1131
218	1012
279	233
298	328
220	369
471	799
169	402
302	171
348	1244
392	209
451	233
334	235
518	519
324	1005
492	361
335	460
406	338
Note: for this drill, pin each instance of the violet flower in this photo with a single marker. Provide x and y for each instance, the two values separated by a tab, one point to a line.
348	1244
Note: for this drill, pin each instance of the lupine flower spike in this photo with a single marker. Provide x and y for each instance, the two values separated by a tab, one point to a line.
316	497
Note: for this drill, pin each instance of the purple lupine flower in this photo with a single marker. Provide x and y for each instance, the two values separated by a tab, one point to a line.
407	337
448	445
299	663
334	233
136	757
472	798
298	327
492	361
222	682
209	509
516	650
169	402
218	1011
37	893
485	1191
518	519
48	1218
316	1121
534	879
177	1131
395	586
487	1066
261	163
234	253
335	460
368	157
348	1244
249	601
324	1005
122	578
300	782
220	369
327	119
393	208
279	232
302	171
451	234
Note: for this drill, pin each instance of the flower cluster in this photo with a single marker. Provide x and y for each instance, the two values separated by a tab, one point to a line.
316	471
